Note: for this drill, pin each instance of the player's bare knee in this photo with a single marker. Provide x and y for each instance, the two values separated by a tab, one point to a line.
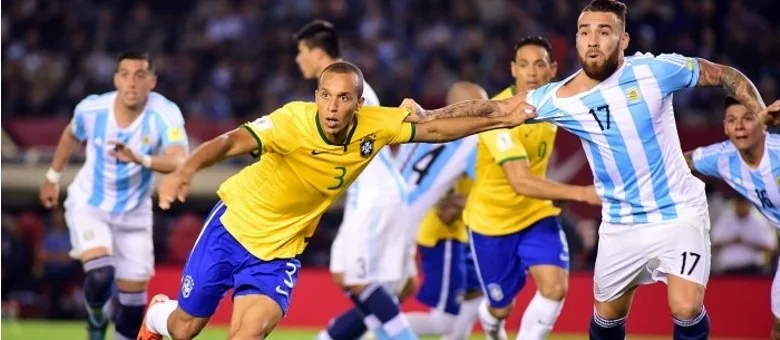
126	285
338	278
502	313
410	286
355	289
686	310
555	290
183	326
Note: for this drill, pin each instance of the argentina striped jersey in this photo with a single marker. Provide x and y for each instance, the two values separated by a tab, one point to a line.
628	132
760	185
105	182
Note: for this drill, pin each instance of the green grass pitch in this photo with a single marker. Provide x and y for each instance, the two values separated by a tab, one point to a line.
27	330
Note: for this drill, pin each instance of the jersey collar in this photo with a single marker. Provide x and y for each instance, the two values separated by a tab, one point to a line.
325	139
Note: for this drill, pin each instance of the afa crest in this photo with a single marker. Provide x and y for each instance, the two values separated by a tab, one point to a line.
146	140
633	94
367	146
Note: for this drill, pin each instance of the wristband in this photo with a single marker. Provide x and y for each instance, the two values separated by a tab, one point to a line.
53	176
146	161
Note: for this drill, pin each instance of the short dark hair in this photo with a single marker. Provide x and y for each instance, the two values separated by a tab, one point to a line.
345	67
612	6
729	101
136	56
320	34
535	41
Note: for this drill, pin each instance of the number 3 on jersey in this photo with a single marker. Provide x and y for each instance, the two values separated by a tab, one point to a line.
339	178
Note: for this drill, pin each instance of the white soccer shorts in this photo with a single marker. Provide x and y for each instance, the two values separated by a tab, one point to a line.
630	255
374	245
128	237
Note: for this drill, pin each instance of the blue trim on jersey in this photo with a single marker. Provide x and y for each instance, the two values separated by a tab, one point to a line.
654	156
471	165
617	147
433	170
146	149
735	172
101	119
122	179
79	128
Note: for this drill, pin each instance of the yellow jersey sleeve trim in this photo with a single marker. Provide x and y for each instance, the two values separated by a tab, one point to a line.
515	158
257	139
414	131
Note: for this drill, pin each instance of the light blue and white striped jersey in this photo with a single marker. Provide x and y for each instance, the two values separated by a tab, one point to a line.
628	132
105	182
430	170
760	185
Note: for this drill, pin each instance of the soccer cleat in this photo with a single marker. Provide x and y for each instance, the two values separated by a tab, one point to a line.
145	333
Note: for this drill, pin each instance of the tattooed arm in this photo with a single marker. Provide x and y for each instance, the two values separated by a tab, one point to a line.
467	108
735	83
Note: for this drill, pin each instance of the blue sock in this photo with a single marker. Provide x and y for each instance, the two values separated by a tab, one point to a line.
347	326
379	303
601	329
97	288
130	314
697	328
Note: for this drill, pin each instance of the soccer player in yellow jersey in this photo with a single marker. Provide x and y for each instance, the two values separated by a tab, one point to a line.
436	176
310	153
510	213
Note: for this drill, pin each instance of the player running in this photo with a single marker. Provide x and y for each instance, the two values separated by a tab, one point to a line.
363	252
655	222
310	153
129	134
750	163
450	286
513	223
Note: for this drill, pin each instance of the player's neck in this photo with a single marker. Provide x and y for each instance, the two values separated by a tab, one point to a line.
753	155
126	115
340	137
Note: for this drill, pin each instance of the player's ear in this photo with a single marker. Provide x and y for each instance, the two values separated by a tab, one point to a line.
512	68
554	68
624	38
317	90
116	80
360	103
152	81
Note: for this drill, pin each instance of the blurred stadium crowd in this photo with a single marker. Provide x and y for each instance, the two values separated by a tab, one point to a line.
224	60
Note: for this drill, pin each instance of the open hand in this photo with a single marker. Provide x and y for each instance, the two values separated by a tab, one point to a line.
173	186
770	116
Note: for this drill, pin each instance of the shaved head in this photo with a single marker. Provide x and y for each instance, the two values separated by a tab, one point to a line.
465	90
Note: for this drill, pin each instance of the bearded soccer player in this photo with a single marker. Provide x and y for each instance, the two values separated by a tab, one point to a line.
310	153
653	208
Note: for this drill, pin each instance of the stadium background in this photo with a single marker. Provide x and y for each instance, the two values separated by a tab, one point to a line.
224	62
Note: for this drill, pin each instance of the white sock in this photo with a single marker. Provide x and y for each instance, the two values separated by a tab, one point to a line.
434	322
494	328
323	335
539	317
468	316
157	316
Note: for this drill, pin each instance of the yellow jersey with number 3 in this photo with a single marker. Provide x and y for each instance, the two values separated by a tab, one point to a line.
433	229
275	204
493	207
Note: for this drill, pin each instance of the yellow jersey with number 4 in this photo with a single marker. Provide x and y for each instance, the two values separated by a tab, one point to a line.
275	204
433	229
493	207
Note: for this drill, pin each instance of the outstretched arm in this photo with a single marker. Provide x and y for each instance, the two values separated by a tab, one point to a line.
449	129
734	82
525	183
466	108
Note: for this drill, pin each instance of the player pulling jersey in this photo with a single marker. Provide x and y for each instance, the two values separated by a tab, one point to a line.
627	127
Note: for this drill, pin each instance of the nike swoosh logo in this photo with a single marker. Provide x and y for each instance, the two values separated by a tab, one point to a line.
315	152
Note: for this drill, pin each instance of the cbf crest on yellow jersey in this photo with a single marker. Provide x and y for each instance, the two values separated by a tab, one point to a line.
493	207
433	229
275	204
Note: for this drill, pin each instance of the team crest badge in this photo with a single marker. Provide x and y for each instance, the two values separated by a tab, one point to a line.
186	286
632	94
367	146
495	291
146	140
